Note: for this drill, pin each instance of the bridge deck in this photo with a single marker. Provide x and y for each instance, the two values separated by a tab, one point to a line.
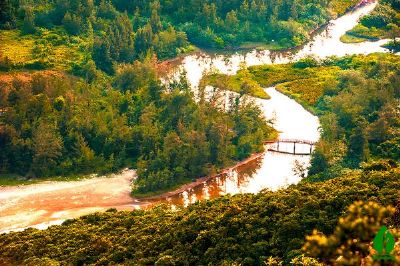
294	142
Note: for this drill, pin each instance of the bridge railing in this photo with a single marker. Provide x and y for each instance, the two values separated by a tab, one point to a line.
299	141
292	141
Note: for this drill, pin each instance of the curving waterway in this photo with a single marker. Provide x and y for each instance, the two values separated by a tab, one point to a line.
41	205
324	43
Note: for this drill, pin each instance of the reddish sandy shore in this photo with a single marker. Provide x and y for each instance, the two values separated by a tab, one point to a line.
48	203
40	205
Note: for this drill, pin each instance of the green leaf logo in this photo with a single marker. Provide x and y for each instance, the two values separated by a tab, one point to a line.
384	243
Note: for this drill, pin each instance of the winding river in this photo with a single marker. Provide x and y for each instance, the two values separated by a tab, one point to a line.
44	204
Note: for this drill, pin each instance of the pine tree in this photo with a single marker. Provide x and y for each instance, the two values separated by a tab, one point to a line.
155	20
72	23
7	14
28	26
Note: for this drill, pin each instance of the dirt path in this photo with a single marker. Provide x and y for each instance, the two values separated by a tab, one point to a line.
40	205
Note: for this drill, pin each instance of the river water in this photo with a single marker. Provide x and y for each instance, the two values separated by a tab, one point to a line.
50	203
324	43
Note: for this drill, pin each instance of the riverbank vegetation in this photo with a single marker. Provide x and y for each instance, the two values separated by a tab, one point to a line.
381	23
67	34
321	221
7	180
357	99
359	115
81	93
243	229
56	124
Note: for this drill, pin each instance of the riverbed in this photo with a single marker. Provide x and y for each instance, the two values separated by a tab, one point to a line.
41	205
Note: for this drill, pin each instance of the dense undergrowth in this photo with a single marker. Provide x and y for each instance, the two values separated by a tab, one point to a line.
54	123
69	35
232	230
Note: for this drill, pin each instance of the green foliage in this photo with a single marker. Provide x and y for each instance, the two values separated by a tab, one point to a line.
215	24
394	46
350	243
306	62
59	103
166	27
28	26
242	83
179	140
357	98
382	23
268	227
360	112
8	13
60	125
56	125
380	17
72	23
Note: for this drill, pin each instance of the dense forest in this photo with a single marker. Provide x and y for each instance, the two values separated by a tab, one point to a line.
80	92
330	218
60	125
120	31
106	35
264	229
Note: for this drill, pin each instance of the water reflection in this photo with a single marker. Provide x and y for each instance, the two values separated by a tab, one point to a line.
46	204
231	182
271	171
324	43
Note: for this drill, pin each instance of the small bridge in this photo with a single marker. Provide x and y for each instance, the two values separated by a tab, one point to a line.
294	141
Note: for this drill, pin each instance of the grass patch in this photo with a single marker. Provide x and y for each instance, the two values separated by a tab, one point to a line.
45	49
242	82
347	38
308	90
16	47
187	50
340	7
306	85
